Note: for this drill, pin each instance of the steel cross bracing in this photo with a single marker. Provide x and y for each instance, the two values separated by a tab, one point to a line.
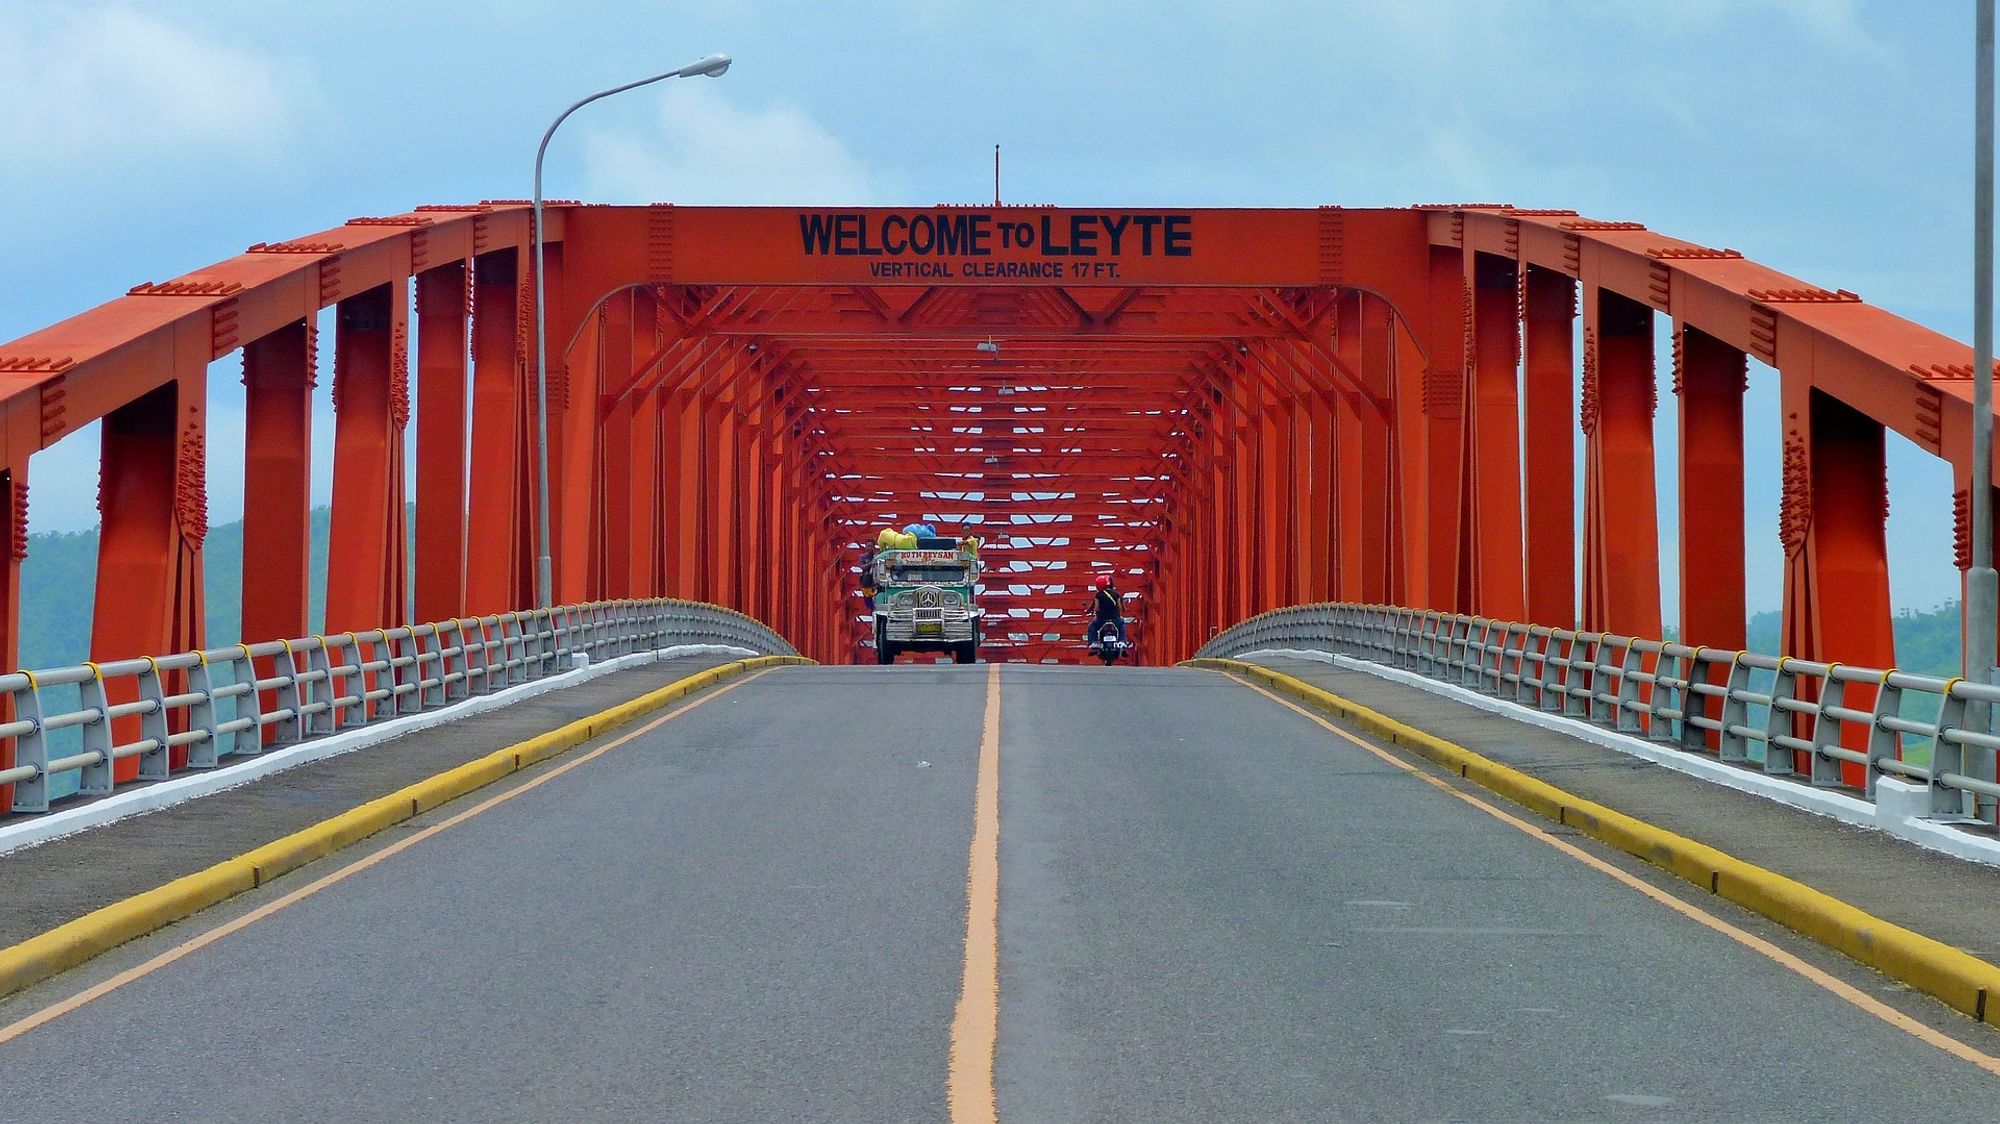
1289	406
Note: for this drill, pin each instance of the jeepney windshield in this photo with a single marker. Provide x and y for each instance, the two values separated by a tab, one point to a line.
928	573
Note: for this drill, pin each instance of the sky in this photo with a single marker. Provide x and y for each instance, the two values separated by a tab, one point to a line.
1830	139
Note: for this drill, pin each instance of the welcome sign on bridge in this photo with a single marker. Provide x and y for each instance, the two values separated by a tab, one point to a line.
989	245
926	245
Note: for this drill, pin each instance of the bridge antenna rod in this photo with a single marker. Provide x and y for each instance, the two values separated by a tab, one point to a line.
996	175
1982	584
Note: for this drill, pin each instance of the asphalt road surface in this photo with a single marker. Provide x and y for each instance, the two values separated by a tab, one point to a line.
1210	908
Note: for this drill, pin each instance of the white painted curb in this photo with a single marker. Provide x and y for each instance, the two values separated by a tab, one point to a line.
1898	810
189	786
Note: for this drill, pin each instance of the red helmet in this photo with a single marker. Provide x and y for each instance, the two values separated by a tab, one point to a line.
1103	581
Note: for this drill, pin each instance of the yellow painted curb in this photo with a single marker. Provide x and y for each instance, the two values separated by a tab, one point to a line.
1954	976
67	945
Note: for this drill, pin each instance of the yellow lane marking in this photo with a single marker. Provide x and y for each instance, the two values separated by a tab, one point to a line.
1815	975
97	991
976	1026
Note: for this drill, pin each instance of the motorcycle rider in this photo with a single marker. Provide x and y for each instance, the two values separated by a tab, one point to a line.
1104	609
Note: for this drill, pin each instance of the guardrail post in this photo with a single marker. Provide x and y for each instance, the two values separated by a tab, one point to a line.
1463	669
547	643
427	643
1732	746
1947	756
478	657
1693	703
1778	723
1669	702
1625	718
349	681
323	689
154	764
1580	678
248	741
1561	650
454	658
31	749
285	668
404	643
1826	730
1884	744
203	754
98	779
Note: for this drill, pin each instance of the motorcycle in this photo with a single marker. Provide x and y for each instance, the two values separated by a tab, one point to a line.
1111	642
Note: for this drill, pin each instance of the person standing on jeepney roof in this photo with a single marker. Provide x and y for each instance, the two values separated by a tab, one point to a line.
868	576
1104	609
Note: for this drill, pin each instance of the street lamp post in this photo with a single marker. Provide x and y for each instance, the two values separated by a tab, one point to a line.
1982	586
711	66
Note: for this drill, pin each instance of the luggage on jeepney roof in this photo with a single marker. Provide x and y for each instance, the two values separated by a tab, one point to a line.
932	542
887	539
897	540
913	528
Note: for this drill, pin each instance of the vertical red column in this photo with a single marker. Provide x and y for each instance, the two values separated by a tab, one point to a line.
1374	364
1490	522
441	378
1240	577
1319	497
666	489
497	551
367	562
1832	519
689	486
610	331
1621	579
152	496
580	555
1216	527
751	577
1709	381
278	377
1411	582
1548	369
721	498
1350	480
1448	332
1272	537
571	462
13	493
642	496
1313	488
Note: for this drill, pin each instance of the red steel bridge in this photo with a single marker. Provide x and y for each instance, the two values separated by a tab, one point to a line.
1230	410
1214	901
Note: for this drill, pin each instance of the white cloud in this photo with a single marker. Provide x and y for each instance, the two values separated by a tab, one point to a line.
114	84
706	149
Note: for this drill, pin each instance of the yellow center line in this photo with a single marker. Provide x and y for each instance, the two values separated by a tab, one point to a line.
976	1026
97	991
1809	972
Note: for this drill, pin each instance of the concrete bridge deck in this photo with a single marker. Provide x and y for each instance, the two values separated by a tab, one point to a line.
1209	908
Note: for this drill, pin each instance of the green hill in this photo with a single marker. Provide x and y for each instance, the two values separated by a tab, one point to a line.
1927	640
60	574
57	578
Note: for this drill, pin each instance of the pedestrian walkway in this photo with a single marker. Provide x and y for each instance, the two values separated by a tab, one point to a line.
1945	898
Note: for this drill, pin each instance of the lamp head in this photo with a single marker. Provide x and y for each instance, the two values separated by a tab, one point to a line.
709	66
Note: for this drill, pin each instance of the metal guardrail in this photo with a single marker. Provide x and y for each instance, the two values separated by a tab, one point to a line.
1790	717
196	709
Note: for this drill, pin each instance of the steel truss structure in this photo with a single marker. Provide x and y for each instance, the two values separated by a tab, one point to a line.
1230	410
